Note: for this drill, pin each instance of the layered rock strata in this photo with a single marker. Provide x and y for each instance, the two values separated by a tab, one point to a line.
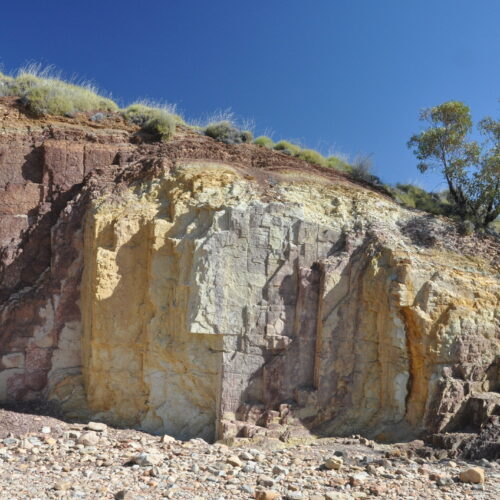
207	290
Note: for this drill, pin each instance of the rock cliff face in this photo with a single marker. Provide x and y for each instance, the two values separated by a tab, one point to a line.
208	290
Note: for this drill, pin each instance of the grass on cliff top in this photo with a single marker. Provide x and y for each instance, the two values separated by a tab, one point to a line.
228	133
44	93
157	120
223	127
412	196
309	155
264	141
287	148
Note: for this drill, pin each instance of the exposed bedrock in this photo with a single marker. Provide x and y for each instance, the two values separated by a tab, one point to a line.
212	299
208	310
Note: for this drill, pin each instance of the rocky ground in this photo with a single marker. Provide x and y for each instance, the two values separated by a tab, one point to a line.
43	458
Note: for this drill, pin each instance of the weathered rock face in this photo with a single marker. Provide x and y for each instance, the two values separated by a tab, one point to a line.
205	290
42	168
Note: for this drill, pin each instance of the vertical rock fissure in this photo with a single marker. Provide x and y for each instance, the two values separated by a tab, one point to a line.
319	326
416	396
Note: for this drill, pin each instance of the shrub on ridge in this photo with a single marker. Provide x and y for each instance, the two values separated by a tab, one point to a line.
264	141
312	157
287	148
338	164
158	122
44	94
226	132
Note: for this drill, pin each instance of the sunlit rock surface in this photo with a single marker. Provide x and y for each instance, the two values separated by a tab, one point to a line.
206	290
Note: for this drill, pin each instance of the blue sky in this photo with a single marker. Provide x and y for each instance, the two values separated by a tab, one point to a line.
346	75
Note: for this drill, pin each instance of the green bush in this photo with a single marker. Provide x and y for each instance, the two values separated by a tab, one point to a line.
495	226
44	100
247	136
416	197
228	133
361	168
309	155
338	164
49	95
162	126
138	114
5	85
141	111
471	169
25	82
287	148
155	121
312	157
57	98
264	141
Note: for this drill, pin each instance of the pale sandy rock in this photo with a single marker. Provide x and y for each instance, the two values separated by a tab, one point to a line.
167	439
334	463
247	299
473	475
62	486
266	495
148	459
97	426
244	455
279	469
88	438
336	495
295	495
234	461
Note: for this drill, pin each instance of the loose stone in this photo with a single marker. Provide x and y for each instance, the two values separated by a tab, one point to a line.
266	495
97	426
473	475
334	463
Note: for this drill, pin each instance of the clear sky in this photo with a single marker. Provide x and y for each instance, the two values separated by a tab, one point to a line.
350	75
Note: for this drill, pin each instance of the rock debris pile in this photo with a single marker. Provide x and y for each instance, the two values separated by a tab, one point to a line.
78	461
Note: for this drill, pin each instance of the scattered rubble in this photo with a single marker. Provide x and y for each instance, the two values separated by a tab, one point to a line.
93	461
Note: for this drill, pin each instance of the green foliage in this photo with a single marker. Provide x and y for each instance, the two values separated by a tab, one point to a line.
485	189
44	100
467	227
44	94
264	141
226	132
158	122
361	168
5	85
312	157
247	136
26	81
287	148
472	171
138	114
309	155
495	226
416	197
338	164
161	125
